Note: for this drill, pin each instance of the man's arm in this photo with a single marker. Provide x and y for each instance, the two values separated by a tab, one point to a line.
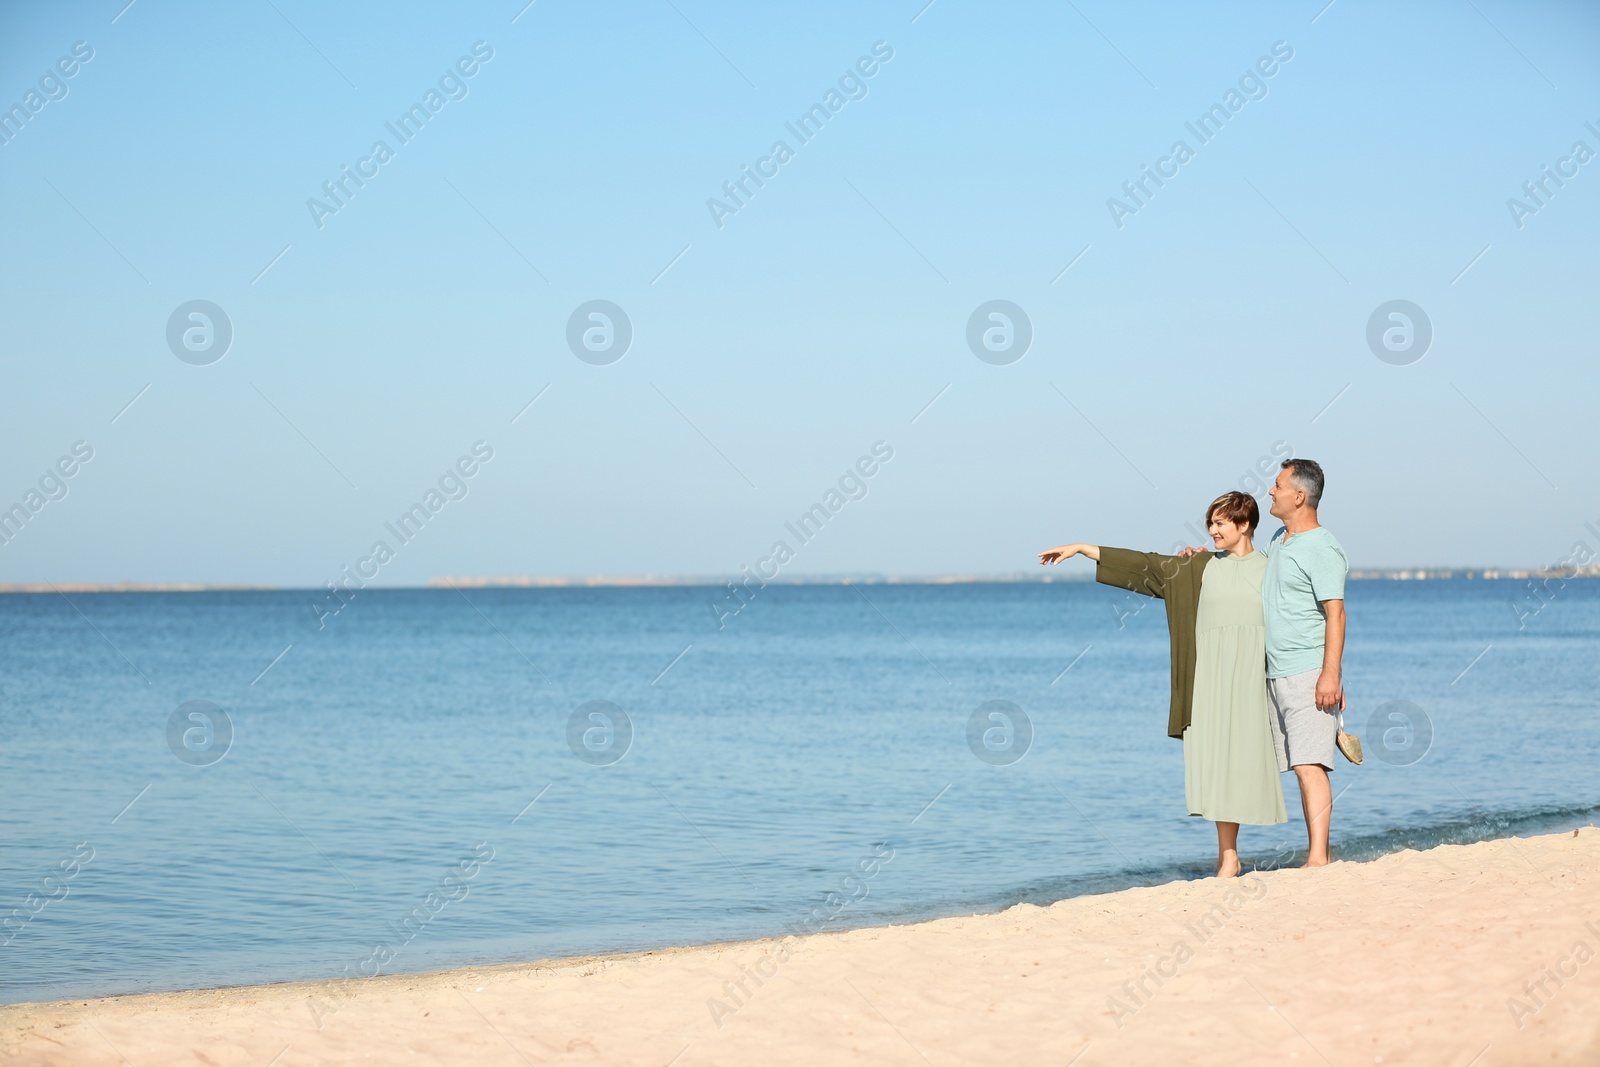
1330	688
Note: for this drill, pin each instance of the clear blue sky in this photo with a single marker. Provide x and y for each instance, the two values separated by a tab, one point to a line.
1178	350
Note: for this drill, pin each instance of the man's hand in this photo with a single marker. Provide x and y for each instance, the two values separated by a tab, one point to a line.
1330	693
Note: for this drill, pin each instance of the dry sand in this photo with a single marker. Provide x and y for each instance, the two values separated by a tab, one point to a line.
1415	958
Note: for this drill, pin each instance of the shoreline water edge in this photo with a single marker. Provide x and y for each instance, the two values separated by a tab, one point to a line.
1122	977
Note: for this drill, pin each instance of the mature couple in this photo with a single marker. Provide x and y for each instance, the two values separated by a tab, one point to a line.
1257	637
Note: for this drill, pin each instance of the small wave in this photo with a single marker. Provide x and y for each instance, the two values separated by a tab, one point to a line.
1464	830
1457	830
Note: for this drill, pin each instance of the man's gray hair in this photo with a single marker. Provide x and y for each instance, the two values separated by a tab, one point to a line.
1306	474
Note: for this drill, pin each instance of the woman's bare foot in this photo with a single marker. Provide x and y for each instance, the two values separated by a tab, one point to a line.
1228	865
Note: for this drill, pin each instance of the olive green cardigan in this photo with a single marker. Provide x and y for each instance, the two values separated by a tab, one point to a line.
1177	581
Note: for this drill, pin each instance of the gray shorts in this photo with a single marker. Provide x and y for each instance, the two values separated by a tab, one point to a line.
1301	733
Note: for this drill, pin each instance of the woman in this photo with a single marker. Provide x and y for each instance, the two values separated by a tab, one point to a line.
1219	667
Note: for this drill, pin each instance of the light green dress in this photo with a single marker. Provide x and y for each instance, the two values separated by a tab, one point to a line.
1230	769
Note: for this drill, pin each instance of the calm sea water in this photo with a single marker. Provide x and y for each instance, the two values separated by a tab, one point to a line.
419	744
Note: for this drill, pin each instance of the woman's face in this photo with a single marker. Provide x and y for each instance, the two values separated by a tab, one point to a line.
1226	535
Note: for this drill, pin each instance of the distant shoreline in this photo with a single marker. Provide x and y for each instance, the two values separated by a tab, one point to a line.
1392	574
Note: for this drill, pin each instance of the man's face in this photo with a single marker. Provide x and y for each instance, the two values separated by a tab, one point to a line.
1285	496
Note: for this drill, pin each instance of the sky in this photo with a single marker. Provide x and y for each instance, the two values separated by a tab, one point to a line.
1155	347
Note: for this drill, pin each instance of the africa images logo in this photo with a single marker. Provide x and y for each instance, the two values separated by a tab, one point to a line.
452	86
1252	85
199	332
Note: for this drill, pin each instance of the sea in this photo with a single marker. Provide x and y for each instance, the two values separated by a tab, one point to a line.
201	789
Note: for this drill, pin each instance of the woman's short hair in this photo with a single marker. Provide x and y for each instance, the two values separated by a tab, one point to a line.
1236	507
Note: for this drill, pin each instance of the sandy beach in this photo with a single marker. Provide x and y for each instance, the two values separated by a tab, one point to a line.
1481	954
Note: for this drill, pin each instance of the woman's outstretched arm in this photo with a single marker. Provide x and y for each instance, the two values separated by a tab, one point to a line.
1146	573
1061	552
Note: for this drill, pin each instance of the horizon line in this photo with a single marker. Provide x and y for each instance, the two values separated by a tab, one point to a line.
692	581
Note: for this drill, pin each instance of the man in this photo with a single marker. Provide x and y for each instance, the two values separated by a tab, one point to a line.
1303	594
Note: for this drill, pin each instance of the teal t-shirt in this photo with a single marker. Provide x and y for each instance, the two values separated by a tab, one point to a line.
1302	571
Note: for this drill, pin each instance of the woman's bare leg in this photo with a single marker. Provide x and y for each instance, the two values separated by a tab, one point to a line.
1227	849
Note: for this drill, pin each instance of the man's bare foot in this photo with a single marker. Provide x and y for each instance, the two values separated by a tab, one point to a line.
1323	862
1228	865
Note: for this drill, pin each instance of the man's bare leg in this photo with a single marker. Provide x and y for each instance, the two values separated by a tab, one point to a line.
1316	801
1227	850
